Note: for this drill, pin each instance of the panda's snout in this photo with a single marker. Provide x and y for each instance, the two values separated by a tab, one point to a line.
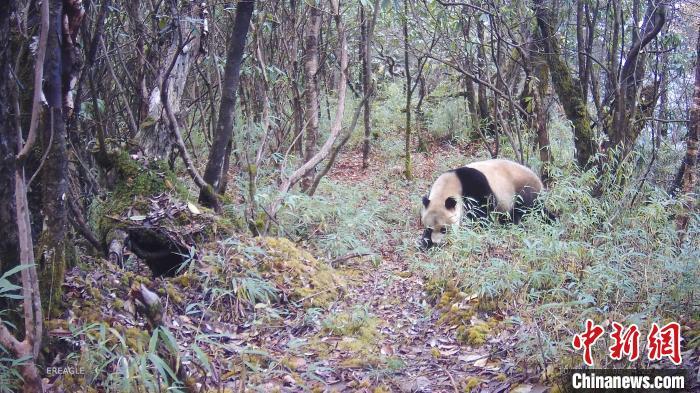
426	240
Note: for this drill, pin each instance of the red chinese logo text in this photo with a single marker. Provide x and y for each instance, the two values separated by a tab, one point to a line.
665	341
587	339
625	342
661	342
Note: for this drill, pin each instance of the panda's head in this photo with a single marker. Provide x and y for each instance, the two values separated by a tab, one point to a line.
437	217
441	210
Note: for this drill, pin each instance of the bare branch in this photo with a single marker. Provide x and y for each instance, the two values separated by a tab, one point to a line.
38	79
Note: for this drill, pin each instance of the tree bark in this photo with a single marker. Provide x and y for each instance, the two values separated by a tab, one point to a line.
364	45
311	77
470	93
409	94
566	87
536	84
14	196
53	247
367	89
224	125
690	176
484	114
187	27
9	251
631	77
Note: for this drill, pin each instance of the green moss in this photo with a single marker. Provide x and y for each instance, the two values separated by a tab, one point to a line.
136	339
471	383
134	184
184	280
173	293
359	362
474	335
311	282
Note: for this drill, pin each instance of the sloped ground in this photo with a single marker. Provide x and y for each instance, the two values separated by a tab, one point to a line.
381	334
264	315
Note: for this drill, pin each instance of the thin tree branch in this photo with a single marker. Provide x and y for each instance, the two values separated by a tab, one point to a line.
38	82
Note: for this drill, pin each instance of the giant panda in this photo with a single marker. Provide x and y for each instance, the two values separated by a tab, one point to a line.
477	189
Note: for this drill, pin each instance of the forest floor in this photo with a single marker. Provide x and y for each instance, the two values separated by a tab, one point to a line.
373	323
384	331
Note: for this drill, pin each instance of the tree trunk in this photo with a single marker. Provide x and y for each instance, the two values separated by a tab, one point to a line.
541	72
367	88
581	49
154	136
631	77
566	87
13	195
311	77
690	176
409	93
364	47
224	125
9	252
470	93
484	114
53	248
535	89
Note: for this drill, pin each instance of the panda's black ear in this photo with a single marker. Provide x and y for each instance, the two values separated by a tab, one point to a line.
450	203
426	201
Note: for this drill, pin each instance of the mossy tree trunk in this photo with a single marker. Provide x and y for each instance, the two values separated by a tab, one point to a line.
690	176
535	90
53	245
9	242
9	252
567	88
469	92
486	121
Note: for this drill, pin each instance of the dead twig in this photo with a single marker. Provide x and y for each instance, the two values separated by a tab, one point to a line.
349	256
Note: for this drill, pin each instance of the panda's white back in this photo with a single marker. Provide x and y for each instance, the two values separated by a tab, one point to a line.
506	178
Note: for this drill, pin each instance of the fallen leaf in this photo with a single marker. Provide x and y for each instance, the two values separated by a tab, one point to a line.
194	209
470	357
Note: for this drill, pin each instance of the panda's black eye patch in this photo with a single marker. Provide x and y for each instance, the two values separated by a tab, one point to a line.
450	203
426	201
443	230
